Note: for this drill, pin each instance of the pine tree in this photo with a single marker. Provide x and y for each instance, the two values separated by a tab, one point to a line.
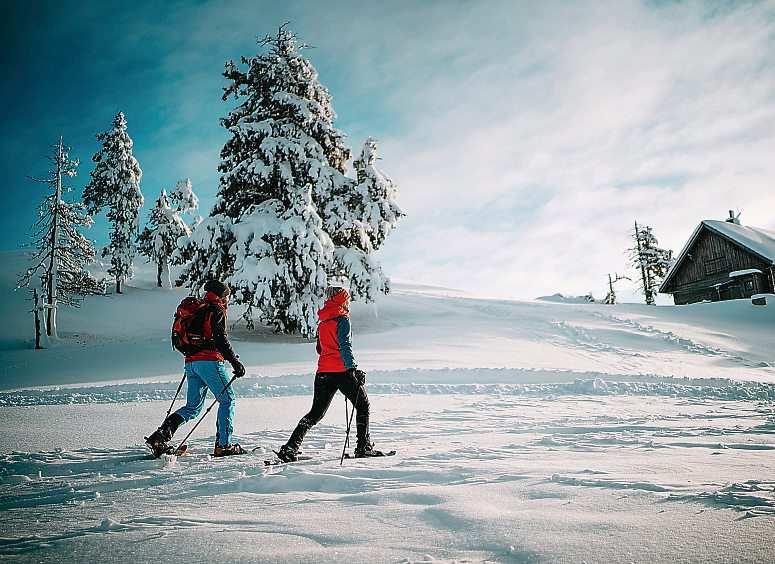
282	160
652	261
159	240
185	200
115	185
359	220
283	125
62	252
280	263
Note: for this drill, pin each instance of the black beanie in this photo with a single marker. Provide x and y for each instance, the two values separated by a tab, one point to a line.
216	287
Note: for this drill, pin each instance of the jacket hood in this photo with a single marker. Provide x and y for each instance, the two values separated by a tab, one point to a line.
335	306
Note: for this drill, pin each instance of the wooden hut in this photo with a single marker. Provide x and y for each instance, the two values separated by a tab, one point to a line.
723	260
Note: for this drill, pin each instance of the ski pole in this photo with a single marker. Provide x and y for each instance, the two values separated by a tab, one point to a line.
176	394
218	397
349	424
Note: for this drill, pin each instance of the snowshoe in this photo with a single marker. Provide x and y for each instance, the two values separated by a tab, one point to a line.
277	461
367	450
370	454
228	450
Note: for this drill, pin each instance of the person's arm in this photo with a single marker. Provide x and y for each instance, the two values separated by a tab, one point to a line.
344	337
220	338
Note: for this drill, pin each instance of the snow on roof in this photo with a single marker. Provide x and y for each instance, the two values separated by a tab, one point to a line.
757	240
745	272
760	241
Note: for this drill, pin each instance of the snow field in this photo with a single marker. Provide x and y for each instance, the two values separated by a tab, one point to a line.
478	477
526	431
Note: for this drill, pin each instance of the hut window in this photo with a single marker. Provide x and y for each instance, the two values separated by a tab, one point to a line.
749	284
714	265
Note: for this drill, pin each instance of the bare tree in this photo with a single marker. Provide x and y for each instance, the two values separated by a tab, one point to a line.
610	298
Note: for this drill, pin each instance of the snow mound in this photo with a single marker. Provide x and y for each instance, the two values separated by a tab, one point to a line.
562	299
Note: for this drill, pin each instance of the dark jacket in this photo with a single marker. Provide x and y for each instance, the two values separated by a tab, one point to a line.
217	345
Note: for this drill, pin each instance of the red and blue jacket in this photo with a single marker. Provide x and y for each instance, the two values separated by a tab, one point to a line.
335	336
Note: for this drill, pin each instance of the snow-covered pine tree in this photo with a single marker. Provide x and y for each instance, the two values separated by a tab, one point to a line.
62	253
359	218
185	201
281	255
159	240
652	261
282	145
115	185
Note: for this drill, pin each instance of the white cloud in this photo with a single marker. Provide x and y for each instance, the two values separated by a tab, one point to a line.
665	115
526	137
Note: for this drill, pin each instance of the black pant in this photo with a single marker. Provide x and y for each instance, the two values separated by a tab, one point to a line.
326	386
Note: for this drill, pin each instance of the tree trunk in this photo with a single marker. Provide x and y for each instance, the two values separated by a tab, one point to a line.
118	286
53	268
646	288
611	291
165	273
51	322
159	271
37	318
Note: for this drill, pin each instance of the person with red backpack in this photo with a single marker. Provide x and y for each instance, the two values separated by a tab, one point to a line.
199	332
337	370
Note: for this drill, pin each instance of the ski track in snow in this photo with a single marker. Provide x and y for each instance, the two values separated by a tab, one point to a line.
469	463
684	343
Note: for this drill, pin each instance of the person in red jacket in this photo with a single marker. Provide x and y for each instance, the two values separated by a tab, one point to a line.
205	369
337	371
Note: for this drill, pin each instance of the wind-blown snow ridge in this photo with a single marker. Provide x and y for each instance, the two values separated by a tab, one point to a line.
461	381
756	498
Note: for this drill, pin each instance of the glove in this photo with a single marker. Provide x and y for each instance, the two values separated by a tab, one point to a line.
238	368
360	376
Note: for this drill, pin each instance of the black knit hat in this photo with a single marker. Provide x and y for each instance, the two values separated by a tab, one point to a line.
216	287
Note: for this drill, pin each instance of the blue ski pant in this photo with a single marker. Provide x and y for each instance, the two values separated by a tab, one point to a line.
201	375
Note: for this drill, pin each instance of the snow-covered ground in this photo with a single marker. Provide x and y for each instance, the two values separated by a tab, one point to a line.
526	431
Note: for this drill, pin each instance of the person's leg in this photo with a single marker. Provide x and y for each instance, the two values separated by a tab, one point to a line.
325	388
356	393
195	397
196	391
217	379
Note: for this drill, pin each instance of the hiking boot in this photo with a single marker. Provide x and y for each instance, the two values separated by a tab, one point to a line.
366	450
287	454
157	443
228	450
159	440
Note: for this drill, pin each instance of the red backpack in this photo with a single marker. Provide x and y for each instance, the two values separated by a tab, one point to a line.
188	326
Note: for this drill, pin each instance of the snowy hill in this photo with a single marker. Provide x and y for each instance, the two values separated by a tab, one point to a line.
526	431
119	338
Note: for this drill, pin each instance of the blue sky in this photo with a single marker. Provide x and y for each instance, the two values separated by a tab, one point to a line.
525	137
